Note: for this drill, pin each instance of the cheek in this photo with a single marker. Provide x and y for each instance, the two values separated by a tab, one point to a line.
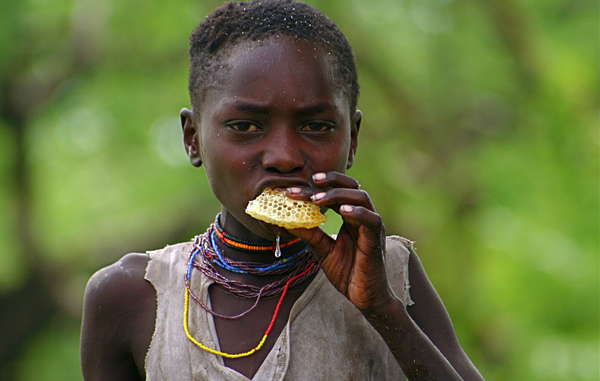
223	169
341	155
228	173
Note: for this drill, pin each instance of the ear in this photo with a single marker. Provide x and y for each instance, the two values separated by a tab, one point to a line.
190	137
354	129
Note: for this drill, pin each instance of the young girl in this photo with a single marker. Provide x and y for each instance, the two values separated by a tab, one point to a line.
273	89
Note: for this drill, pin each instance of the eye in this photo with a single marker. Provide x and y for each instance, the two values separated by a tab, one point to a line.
242	126
318	126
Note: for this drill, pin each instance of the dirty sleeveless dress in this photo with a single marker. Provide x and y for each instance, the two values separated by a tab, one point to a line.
326	337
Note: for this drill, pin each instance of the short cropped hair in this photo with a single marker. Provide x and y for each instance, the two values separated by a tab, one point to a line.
254	21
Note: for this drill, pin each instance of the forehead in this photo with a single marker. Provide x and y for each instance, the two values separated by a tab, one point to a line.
279	69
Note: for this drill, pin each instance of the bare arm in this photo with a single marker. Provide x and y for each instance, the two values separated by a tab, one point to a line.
116	298
423	342
423	339
431	316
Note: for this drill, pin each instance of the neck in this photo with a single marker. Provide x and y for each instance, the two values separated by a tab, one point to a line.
237	229
232	227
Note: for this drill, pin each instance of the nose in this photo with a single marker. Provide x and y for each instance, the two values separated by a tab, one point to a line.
283	151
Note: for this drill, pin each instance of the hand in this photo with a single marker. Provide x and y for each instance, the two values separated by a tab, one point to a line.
353	262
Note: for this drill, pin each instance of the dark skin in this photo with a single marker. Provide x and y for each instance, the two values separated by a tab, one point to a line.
283	123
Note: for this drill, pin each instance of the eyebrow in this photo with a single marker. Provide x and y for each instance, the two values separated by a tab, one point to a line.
315	109
303	110
251	107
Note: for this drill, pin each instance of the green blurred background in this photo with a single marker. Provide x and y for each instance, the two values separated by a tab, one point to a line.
480	141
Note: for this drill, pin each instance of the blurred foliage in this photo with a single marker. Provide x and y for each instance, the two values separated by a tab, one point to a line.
480	141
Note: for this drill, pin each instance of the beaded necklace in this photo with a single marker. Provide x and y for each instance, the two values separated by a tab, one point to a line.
212	255
202	244
240	244
299	266
260	344
250	267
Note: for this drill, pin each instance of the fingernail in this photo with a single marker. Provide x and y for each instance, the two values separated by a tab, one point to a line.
319	176
346	208
294	190
317	196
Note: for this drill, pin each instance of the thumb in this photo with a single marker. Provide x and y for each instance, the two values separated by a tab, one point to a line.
321	243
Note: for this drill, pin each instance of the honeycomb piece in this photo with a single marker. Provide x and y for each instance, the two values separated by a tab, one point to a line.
274	207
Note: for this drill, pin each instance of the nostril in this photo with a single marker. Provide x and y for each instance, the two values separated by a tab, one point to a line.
283	170
283	161
283	152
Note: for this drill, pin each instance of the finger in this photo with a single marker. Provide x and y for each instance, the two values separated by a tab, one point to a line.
360	216
333	198
334	180
371	238
321	243
299	193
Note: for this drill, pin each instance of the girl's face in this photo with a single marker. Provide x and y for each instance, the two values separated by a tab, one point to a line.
277	119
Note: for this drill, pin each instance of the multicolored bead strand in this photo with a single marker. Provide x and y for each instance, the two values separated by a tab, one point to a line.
239	244
202	244
251	267
262	341
299	267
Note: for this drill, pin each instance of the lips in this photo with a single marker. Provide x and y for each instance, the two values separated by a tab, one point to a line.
280	183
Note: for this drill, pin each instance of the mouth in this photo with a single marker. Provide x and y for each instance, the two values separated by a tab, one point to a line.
280	183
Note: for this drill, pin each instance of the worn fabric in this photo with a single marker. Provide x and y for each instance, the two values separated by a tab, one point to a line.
344	347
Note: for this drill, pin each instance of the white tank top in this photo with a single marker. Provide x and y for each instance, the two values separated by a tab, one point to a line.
343	347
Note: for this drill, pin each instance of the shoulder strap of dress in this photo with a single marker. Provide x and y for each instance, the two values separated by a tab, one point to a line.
397	254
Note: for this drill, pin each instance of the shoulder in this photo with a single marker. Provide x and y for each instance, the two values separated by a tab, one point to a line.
403	262
117	317
118	284
428	309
